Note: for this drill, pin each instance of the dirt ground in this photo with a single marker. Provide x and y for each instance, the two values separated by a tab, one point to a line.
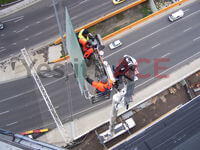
162	3
194	83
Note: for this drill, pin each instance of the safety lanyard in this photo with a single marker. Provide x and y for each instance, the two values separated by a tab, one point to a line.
106	89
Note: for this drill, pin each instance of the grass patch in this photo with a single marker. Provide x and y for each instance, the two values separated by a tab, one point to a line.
116	28
92	29
120	16
146	11
6	1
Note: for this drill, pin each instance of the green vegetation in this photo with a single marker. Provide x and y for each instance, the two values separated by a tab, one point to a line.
63	55
112	24
6	1
146	11
116	28
92	29
120	16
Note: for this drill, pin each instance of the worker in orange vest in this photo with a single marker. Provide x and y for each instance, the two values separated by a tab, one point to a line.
102	86
85	42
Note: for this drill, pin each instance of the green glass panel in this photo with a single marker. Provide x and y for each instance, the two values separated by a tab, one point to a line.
74	50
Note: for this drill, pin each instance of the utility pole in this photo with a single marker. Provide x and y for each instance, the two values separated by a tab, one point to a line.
59	26
46	97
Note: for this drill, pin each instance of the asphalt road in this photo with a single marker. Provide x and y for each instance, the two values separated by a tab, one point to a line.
22	107
37	24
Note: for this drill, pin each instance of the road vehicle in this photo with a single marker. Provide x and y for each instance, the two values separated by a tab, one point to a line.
115	2
115	44
176	15
1	26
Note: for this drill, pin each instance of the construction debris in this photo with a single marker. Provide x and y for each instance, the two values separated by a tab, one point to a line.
172	90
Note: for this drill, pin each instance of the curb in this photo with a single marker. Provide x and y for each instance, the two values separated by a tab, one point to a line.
19	6
35	131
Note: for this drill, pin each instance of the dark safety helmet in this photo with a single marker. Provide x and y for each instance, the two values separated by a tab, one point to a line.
104	79
85	32
129	61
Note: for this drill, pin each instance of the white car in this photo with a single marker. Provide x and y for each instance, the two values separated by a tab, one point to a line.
176	15
1	26
115	44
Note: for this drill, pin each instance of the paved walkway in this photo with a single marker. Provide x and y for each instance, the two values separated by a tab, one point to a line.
15	68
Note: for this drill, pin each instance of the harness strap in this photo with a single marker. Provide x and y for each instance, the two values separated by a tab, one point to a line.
106	89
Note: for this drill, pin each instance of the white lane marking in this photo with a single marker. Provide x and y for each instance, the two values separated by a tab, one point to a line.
1	50
191	14
21	29
38	22
19	20
156	45
5	99
82	2
169	69
139	40
57	107
196	38
49	17
89	10
165	55
26	39
4	112
186	10
150	34
12	123
187	29
37	34
13	19
14	44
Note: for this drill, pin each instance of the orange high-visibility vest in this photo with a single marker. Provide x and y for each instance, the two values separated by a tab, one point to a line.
87	51
101	86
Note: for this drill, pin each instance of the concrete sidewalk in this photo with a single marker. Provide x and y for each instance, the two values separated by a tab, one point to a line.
90	121
16	7
16	68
